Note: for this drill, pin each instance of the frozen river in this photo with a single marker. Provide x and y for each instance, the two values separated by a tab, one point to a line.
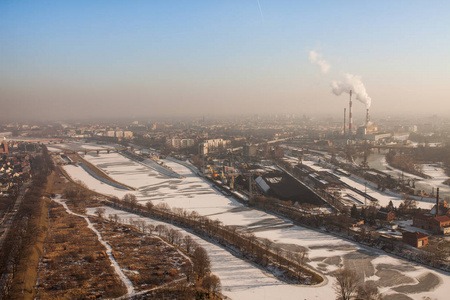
378	161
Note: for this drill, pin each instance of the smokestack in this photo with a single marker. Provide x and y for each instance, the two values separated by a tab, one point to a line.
350	116
437	202
345	119
367	116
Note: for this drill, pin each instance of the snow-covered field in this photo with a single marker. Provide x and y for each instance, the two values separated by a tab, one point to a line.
437	173
325	251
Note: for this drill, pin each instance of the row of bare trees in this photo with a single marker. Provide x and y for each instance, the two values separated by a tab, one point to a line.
405	162
263	253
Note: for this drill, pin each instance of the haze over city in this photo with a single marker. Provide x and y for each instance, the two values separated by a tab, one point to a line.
245	150
108	59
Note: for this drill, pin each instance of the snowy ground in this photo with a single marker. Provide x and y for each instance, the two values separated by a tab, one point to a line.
408	225
325	251
240	279
360	184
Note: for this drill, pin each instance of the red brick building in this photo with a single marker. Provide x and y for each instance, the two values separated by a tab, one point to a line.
415	239
442	224
423	221
429	222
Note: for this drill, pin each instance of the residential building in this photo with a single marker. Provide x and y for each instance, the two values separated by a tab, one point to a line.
415	239
128	134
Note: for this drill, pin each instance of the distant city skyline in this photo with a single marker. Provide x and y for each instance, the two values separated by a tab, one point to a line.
111	59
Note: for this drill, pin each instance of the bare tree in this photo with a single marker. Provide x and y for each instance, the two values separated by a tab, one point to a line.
409	204
278	252
161	229
133	203
163	206
173	236
115	200
368	291
188	243
100	212
149	206
116	218
347	283
201	262
178	211
290	258
267	244
187	269
130	201
150	228
301	257
251	238
140	224
211	283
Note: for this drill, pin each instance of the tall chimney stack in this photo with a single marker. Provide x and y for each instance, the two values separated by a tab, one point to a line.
367	116
437	202
350	116
345	119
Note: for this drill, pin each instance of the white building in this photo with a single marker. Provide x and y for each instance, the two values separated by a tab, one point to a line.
180	143
128	134
215	144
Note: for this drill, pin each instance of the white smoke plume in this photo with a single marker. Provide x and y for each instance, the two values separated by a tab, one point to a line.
316	58
353	83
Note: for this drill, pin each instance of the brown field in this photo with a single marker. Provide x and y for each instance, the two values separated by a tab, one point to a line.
146	260
75	264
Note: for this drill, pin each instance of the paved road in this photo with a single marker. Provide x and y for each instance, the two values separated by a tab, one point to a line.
11	214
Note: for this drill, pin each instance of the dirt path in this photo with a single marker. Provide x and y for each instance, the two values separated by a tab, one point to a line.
28	270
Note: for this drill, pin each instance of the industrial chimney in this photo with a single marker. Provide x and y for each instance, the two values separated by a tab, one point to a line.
350	116
345	119
367	117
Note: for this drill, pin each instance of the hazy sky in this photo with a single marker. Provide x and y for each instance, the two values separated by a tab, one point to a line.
69	59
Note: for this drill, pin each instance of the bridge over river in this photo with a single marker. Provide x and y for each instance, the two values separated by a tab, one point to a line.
86	151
